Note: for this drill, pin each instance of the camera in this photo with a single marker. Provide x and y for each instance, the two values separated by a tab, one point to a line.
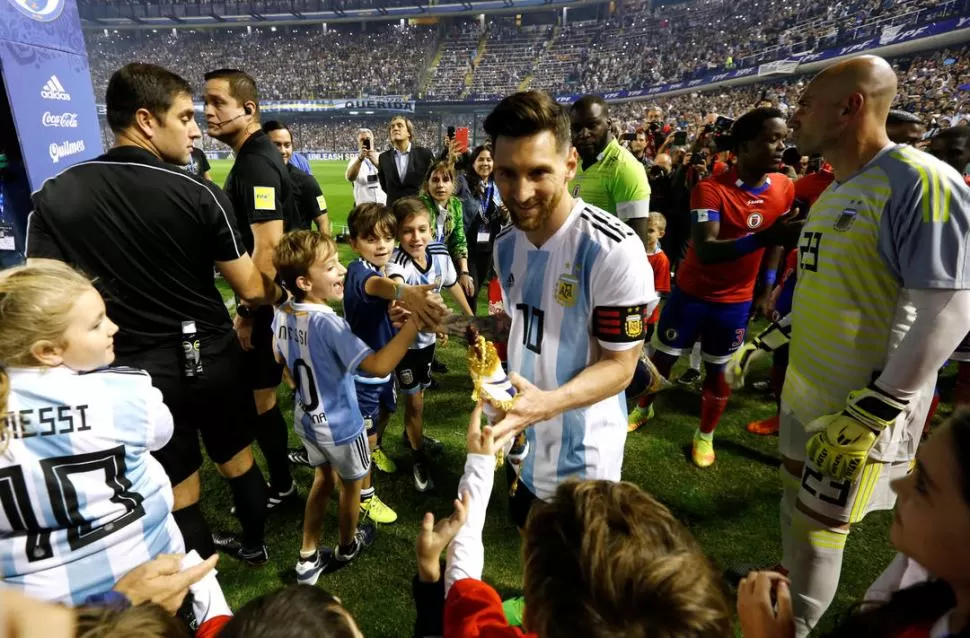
656	172
451	132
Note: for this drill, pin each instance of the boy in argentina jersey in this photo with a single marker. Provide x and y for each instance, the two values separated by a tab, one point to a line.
321	355
421	261
880	302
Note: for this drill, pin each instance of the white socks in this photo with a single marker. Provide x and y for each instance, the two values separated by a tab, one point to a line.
814	568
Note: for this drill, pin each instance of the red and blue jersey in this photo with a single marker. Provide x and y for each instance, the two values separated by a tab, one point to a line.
740	210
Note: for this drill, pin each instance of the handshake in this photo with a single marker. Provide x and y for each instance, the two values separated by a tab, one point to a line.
422	304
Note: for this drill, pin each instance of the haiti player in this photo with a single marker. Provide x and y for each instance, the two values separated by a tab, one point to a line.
880	304
775	337
734	218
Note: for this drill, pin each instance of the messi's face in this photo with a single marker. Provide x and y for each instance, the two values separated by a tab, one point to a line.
532	174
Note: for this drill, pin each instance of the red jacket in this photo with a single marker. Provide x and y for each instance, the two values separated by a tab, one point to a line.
474	609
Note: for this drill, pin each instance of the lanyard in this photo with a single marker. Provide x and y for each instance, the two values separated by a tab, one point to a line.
489	191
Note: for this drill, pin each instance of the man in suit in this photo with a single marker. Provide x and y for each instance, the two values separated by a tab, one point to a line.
401	169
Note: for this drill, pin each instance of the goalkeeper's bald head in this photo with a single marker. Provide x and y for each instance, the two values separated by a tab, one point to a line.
607	559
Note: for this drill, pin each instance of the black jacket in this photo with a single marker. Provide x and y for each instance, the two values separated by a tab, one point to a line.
419	163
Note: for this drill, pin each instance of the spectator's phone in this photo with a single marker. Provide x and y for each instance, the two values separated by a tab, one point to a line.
723	124
461	136
628	137
680	138
366	143
451	132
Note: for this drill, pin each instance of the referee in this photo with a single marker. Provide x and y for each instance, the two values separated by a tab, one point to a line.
311	205
262	194
149	233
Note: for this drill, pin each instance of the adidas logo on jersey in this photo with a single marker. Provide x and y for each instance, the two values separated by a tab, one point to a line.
54	90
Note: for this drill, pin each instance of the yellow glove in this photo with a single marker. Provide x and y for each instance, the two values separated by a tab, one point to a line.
842	446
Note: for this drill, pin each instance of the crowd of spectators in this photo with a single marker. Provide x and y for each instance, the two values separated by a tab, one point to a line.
637	46
287	62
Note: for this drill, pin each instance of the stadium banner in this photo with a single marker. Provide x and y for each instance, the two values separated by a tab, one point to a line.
778	67
44	68
386	104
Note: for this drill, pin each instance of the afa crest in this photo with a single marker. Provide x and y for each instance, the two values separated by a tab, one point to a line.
566	289
633	326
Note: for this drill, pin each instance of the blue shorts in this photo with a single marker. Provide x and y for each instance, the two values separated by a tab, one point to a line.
373	397
685	319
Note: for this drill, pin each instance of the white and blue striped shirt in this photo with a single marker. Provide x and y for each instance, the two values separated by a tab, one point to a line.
593	263
83	500
440	271
322	354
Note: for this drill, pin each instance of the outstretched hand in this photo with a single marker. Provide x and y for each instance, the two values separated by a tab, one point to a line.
435	537
760	618
531	406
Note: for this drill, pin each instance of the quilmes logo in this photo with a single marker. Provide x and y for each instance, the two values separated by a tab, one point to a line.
40	10
64	120
54	90
65	149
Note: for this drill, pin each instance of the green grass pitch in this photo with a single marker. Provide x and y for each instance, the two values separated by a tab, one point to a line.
731	508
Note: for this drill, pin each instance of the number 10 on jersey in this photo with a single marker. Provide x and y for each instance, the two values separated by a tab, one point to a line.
532	334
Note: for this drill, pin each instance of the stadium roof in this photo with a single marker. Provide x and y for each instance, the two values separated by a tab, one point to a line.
97	15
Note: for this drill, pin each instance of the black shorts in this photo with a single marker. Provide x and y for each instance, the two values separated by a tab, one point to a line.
521	498
219	406
262	370
414	371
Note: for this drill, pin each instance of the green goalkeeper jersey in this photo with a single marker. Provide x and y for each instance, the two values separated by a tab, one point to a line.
617	183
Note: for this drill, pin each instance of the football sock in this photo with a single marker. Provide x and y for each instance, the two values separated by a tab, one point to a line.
664	363
714	398
249	497
814	571
779	366
304	555
695	357
195	531
272	438
789	496
366	495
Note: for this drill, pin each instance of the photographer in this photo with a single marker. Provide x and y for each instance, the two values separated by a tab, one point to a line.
362	171
659	176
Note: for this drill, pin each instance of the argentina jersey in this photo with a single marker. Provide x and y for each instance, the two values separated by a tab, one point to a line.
589	288
84	501
439	270
321	354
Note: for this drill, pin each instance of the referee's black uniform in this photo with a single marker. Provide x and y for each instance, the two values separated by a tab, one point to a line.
260	189
149	233
310	202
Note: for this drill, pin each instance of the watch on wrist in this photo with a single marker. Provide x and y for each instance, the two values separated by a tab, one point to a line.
465	273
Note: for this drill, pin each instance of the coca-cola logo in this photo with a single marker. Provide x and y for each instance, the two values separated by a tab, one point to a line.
64	120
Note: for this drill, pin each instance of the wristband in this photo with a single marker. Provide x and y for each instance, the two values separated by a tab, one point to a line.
110	599
747	244
770	277
398	291
465	272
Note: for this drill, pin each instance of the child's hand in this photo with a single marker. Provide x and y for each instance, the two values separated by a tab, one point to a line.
425	303
434	538
482	440
442	338
759	617
398	314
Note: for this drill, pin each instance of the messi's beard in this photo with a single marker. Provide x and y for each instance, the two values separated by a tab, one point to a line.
536	222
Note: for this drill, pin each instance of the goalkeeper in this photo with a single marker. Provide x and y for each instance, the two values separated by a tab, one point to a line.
881	302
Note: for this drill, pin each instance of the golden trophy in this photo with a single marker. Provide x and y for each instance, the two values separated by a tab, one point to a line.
497	394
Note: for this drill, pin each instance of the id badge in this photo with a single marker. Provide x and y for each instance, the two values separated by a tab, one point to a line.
7	242
483	236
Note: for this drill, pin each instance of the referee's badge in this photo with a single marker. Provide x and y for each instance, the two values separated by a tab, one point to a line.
264	197
566	290
846	219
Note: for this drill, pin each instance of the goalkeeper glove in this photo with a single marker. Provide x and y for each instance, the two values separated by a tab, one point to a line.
771	338
842	446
